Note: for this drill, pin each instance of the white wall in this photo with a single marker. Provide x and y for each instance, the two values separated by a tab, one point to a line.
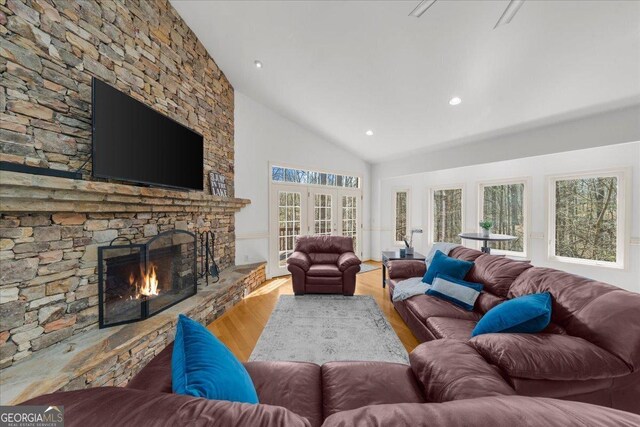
263	136
536	169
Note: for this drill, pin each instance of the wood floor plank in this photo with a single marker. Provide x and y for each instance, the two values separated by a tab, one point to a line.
241	326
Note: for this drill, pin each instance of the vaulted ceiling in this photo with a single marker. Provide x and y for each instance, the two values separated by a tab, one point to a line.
341	68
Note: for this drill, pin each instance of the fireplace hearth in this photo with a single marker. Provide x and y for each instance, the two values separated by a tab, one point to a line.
139	280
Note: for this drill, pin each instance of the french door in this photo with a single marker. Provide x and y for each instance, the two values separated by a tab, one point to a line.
288	221
310	210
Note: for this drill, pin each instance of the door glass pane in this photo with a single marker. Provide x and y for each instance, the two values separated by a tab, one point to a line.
447	215
322	217
288	224
349	218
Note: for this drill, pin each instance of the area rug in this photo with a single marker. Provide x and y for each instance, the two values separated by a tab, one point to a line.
365	268
326	328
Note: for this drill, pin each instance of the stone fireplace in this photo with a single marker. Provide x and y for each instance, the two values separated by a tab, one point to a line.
139	280
52	228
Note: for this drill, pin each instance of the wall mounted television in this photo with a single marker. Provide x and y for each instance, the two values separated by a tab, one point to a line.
134	143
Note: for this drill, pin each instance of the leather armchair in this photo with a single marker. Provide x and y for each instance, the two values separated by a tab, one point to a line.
323	265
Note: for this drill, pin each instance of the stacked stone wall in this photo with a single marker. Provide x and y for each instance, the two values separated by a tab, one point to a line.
49	51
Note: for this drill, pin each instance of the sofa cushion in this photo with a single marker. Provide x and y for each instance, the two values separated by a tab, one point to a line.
351	385
527	314
548	356
442	264
496	273
156	375
274	381
324	270
324	244
277	382
451	370
426	306
598	312
464	253
322	258
202	366
324	281
486	411
119	406
486	301
447	327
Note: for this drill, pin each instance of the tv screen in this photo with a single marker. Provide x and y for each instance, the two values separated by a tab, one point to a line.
132	142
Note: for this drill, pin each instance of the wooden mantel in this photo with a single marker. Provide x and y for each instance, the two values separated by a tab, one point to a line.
21	192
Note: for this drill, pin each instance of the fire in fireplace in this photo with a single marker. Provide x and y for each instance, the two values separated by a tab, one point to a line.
138	280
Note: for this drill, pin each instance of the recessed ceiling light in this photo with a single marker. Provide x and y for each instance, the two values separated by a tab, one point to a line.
258	63
369	132
455	101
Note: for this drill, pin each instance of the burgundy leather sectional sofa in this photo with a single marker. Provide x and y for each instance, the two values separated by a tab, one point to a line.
336	394
323	265
590	352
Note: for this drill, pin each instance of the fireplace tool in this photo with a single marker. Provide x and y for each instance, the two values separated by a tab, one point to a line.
208	264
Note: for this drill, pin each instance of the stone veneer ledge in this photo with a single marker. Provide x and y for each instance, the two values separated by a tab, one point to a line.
112	356
21	192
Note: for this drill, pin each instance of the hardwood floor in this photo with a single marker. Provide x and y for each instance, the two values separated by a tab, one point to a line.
241	326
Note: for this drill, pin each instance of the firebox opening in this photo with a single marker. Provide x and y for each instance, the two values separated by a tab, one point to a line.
140	280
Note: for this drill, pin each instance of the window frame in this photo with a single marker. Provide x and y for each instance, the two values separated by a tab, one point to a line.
430	219
526	196
307	173
394	217
622	221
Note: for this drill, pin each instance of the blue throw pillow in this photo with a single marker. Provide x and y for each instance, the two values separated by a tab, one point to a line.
456	291
448	266
526	314
202	366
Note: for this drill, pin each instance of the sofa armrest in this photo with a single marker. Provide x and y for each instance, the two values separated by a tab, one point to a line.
404	269
348	259
453	370
300	259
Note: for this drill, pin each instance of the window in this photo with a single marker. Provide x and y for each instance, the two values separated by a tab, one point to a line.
301	176
504	204
401	214
586	223
446	215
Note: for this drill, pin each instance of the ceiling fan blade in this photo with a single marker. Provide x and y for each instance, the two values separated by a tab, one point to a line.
509	12
421	8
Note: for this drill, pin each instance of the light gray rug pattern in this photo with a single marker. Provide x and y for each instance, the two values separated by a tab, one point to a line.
365	268
326	328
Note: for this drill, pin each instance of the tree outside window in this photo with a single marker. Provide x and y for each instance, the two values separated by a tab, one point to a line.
504	206
447	215
400	230
586	218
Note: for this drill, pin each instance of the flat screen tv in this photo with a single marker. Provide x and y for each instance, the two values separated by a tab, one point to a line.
132	142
